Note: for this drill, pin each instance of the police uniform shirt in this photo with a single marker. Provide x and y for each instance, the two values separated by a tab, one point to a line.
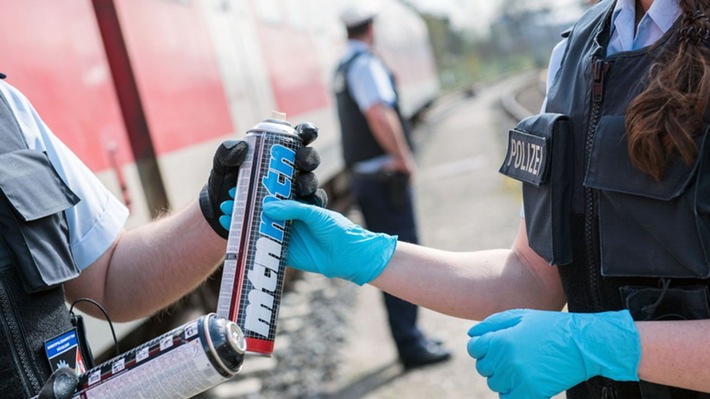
369	84
96	221
370	80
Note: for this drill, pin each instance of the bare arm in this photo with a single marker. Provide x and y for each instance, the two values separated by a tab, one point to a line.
675	353
473	285
151	267
387	129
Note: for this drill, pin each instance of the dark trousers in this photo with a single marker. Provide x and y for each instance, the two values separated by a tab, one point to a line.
386	205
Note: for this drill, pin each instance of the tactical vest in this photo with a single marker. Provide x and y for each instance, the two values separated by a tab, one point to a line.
35	258
358	142
619	238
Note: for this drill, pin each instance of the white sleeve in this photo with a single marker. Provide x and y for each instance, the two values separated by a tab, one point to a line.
96	221
370	83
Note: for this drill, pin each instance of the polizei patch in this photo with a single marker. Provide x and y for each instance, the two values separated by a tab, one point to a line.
527	157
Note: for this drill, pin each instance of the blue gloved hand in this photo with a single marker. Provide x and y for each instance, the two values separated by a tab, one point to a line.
326	242
538	354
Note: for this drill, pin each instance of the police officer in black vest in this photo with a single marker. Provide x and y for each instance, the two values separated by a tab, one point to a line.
378	154
62	238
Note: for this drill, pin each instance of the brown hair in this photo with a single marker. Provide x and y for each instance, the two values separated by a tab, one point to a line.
664	119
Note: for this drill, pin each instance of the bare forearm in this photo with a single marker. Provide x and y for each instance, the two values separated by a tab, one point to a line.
469	285
388	131
676	353
153	266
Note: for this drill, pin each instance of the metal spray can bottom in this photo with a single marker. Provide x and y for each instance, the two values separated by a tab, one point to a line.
179	364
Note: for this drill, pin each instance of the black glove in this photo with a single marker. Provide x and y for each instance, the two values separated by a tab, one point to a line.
61	384
307	160
225	169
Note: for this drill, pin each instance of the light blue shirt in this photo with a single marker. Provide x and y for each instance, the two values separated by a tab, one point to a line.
368	78
657	20
95	222
624	35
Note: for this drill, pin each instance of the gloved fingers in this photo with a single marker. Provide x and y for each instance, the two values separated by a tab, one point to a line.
307	132
230	154
299	254
225	167
519	393
316	219
497	321
504	380
486	365
225	221
227	207
477	347
319	198
306	184
499	383
307	159
290	210
60	385
223	177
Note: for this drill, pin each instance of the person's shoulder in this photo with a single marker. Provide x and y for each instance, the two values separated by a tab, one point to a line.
361	64
369	61
37	135
19	104
12	95
363	58
592	16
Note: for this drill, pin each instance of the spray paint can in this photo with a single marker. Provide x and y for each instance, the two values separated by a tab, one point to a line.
254	266
178	364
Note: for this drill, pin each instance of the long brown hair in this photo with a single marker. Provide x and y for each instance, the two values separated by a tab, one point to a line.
663	120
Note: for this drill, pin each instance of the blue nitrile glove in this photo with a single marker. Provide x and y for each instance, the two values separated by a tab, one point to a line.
538	354
306	181
326	242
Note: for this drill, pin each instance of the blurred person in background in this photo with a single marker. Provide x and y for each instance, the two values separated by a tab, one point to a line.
378	155
616	223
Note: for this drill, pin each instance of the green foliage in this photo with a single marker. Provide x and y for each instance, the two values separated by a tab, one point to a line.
465	60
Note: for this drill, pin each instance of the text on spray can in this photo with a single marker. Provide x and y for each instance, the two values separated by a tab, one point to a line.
254	266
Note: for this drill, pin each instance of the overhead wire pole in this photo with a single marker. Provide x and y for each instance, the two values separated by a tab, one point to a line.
131	107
